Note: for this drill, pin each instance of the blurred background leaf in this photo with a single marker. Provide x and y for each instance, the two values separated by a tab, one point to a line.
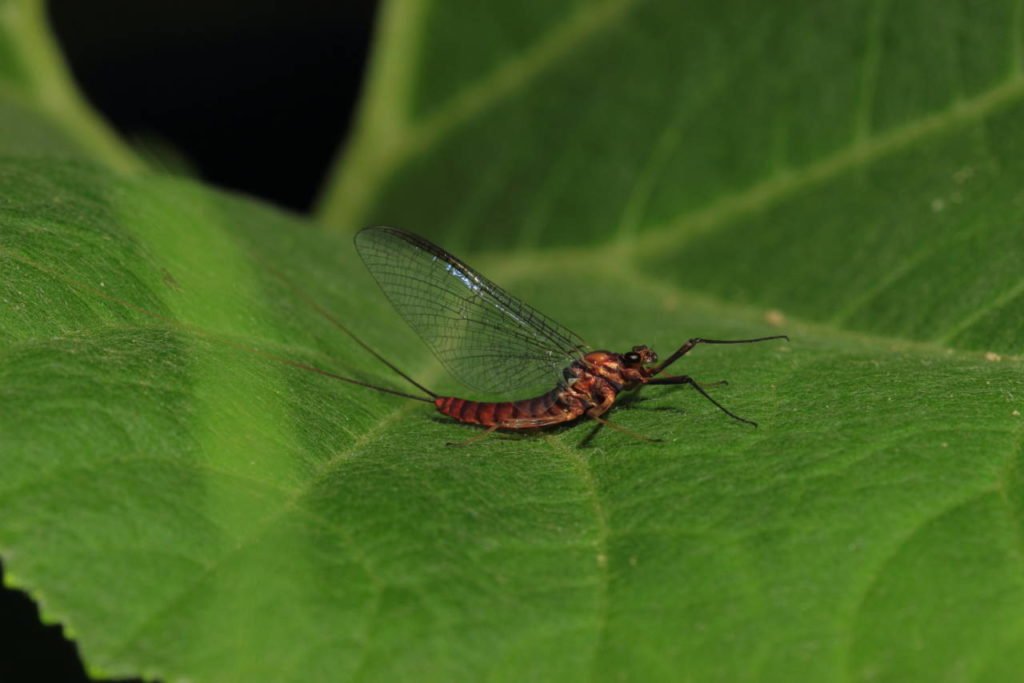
40	111
644	172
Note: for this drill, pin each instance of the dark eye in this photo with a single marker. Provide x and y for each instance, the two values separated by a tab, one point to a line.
632	357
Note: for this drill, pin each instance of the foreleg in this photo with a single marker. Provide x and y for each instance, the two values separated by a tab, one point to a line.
685	379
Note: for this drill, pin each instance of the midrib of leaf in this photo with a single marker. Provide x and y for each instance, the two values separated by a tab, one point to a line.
385	137
53	88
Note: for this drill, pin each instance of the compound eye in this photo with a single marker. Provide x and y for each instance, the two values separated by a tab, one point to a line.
632	357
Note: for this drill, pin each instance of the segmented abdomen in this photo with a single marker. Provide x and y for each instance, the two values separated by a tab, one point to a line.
531	412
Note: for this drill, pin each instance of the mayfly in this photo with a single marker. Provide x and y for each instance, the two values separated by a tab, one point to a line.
494	343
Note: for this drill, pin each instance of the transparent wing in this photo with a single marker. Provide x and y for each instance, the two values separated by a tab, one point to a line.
487	338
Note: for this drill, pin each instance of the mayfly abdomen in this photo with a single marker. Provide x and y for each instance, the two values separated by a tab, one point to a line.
544	409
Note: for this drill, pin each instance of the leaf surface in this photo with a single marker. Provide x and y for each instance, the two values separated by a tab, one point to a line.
190	508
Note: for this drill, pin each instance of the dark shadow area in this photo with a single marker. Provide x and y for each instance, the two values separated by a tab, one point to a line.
30	651
588	440
660	409
634	400
254	95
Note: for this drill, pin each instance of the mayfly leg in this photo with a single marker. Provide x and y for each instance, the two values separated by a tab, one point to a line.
685	379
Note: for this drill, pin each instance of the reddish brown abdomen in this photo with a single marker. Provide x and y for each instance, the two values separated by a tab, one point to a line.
500	414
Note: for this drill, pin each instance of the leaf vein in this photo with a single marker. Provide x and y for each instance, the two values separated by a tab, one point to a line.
353	195
602	561
770	191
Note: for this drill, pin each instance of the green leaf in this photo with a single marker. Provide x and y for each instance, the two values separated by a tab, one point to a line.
847	173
